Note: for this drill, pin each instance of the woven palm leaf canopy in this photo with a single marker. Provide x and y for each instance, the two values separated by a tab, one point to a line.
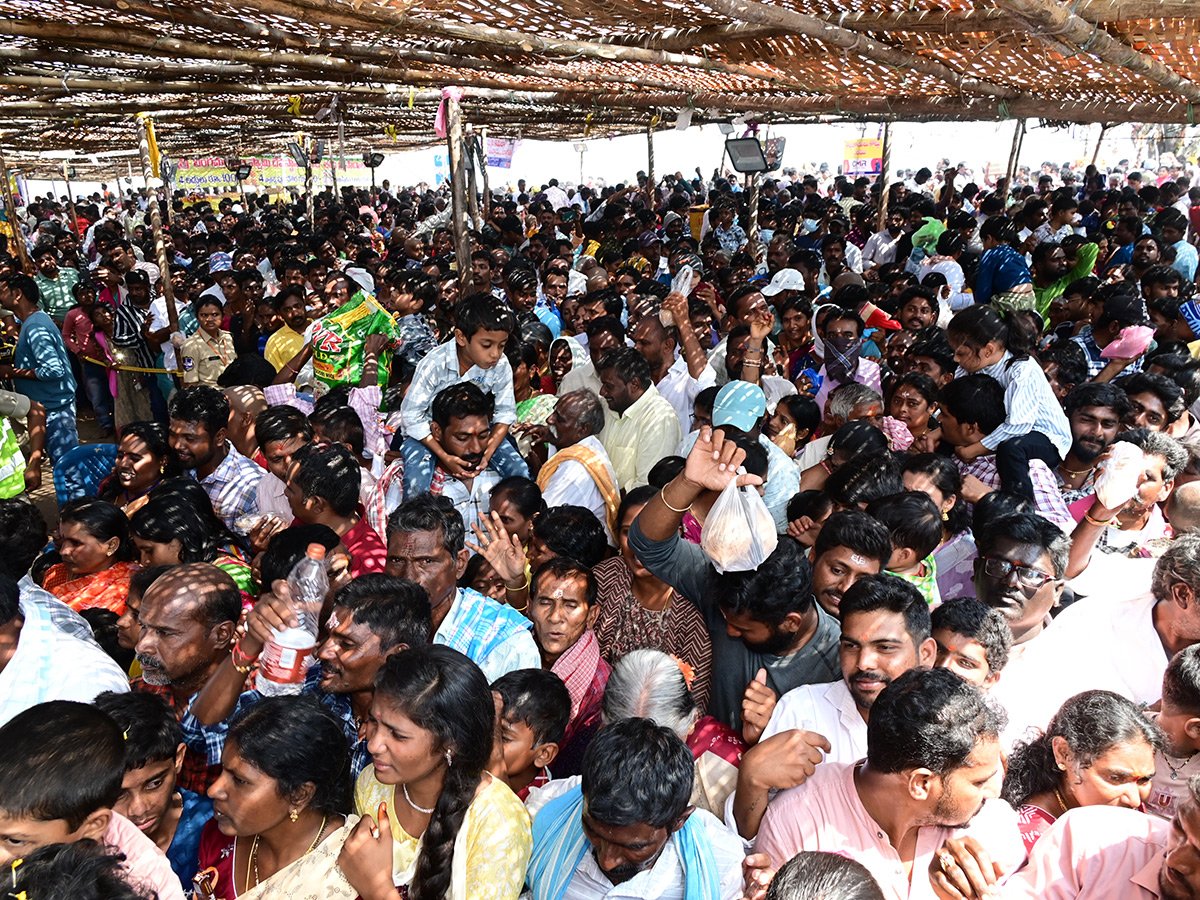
244	76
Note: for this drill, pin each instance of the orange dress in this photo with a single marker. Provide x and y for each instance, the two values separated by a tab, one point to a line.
106	589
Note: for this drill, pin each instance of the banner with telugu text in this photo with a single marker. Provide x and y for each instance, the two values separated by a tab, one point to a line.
208	175
864	157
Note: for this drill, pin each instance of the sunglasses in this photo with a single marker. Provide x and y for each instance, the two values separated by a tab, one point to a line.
1026	577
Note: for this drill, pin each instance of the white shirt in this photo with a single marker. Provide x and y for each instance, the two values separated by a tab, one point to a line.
1097	644
880	248
51	662
662	881
827	709
571	485
471	503
158	320
679	388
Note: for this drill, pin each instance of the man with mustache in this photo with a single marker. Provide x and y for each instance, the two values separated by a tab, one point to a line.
886	631
1020	571
629	824
932	773
462	425
1095	411
373	617
188	621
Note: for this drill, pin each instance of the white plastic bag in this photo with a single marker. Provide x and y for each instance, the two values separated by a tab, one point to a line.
739	532
1120	474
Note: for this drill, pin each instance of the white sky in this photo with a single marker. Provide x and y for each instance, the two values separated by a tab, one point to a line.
620	158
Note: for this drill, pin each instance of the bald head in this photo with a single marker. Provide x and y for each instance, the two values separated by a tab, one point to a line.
245	403
1183	509
200	590
189	619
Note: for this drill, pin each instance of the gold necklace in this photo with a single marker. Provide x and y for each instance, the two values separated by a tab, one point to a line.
1072	473
253	861
1061	801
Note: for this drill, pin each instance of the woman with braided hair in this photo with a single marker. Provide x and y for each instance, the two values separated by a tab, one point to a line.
436	825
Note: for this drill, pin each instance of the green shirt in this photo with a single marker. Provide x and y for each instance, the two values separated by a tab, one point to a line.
1047	295
56	296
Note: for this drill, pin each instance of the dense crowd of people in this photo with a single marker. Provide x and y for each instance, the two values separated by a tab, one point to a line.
840	546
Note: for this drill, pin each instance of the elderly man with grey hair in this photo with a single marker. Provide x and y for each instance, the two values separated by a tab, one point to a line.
1107	643
649	684
847	403
580	472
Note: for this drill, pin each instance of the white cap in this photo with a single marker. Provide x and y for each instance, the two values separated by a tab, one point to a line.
784	280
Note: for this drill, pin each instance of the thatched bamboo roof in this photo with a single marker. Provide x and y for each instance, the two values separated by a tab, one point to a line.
222	76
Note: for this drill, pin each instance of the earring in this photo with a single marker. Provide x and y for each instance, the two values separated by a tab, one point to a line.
945	516
293	815
111	552
449	759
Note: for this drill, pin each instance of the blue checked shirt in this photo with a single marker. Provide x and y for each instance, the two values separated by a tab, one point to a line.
439	370
210	739
233	486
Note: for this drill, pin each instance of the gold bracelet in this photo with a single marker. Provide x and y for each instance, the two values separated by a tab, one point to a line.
523	587
663	496
1096	522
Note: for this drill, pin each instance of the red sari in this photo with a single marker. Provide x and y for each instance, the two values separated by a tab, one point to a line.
106	589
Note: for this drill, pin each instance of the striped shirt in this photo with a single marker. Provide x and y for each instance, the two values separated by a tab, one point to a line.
1029	403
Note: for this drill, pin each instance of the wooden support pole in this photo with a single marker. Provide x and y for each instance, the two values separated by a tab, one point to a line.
71	200
885	166
10	209
650	165
1011	171
752	213
483	168
458	193
472	184
160	246
1099	141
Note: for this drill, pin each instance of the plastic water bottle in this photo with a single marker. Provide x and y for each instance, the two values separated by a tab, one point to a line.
286	657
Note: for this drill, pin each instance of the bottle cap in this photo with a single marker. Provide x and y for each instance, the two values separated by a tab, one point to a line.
316	551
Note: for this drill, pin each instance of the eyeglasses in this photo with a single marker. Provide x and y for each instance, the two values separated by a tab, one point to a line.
1026	577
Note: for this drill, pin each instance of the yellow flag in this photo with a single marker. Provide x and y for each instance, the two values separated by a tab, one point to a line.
150	141
587	125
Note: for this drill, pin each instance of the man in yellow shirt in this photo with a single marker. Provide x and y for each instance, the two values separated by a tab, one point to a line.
646	427
285	343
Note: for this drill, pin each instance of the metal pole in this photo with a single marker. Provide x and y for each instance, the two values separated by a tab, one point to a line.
458	193
160	247
885	165
10	208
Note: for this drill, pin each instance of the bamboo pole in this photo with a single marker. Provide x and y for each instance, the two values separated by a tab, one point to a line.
853	42
885	165
483	168
472	186
71	200
650	164
160	246
1011	170
1099	141
1050	21
458	192
10	208
752	212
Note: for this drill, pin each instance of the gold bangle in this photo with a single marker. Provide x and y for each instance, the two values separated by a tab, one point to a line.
662	494
1096	522
523	587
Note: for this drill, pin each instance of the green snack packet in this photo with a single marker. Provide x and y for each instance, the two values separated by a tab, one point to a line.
339	341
